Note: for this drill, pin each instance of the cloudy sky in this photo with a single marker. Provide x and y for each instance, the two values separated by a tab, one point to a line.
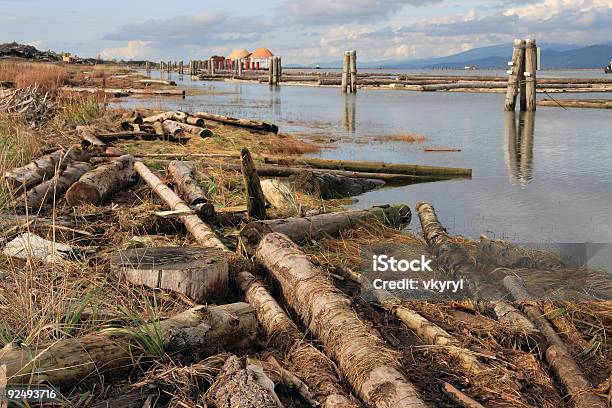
302	31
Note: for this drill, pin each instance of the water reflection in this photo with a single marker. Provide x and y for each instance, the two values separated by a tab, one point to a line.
519	146
348	119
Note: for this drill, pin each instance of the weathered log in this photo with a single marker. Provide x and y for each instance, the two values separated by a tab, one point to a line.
185	183
87	134
256	203
133	117
98	185
503	254
30	246
371	167
326	186
246	123
43	168
157	81
300	228
557	353
175	128
278	194
124	91
576	103
127	135
192	120
170	115
242	385
203	234
55	187
368	364
307	361
111	352
199	273
460	398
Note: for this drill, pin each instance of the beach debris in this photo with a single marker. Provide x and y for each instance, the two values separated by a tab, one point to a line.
31	104
256	203
329	186
31	246
255	125
280	196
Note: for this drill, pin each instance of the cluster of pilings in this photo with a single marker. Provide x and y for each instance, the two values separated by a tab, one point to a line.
274	70
349	72
522	76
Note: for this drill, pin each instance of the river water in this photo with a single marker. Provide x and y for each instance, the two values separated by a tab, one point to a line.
542	177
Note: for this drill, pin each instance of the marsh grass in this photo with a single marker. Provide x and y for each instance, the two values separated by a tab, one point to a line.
48	77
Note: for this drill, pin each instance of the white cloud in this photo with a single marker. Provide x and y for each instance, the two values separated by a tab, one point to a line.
132	50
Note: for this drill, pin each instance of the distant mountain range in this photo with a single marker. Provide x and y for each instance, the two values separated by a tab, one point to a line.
560	56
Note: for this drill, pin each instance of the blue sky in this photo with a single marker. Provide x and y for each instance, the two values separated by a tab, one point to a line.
301	31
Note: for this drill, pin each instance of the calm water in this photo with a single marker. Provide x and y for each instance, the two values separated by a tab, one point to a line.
544	177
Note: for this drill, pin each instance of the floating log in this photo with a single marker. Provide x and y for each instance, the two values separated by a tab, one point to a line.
157	81
577	103
55	187
67	362
308	362
98	185
242	385
199	273
365	360
557	353
185	183
327	186
125	91
441	149
278	194
175	128
462	85
256	203
300	228
43	168
371	167
246	123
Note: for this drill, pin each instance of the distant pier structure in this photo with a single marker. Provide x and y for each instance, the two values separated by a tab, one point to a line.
522	76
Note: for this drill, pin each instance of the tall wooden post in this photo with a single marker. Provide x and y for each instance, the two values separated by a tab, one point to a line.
530	73
147	66
169	66
240	67
211	67
345	71
161	66
353	69
270	71
515	71
180	67
256	203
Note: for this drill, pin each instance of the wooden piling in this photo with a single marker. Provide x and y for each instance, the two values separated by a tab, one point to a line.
256	203
345	71
530	73
514	75
180	67
147	66
271	71
353	71
240	67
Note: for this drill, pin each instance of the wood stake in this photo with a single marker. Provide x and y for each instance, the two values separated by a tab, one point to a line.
516	69
256	203
530	73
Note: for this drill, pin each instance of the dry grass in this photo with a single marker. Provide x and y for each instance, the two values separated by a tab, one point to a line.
47	77
402	137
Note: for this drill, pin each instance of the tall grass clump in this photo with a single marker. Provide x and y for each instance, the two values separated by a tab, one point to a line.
48	77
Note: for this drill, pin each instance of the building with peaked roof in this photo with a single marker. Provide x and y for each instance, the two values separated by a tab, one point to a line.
238	54
259	58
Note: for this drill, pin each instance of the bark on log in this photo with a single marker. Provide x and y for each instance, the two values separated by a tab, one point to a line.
87	133
328	186
242	385
372	167
192	120
98	185
576	103
256	203
67	362
185	183
55	187
245	123
43	168
557	353
199	273
503	254
308	362
300	228
460	398
170	115
279	195
157	81
368	364
176	128
128	135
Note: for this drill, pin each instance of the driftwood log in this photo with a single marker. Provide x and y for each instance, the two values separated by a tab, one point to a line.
308	362
43	168
327	186
199	273
176	128
245	123
278	194
88	135
368	364
55	187
256	203
300	228
67	362
170	115
98	185
557	353
185	183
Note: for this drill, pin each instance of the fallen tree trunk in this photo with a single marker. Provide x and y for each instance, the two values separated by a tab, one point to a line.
557	353
67	362
300	228
55	187
174	128
307	361
98	185
128	135
124	91
185	183
279	195
256	203
577	103
87	134
368	364
199	273
170	115
43	168
242	385
157	81
328	186
245	123
371	167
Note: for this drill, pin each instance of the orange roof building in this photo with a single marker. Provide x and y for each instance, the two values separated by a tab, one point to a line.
238	54
259	58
